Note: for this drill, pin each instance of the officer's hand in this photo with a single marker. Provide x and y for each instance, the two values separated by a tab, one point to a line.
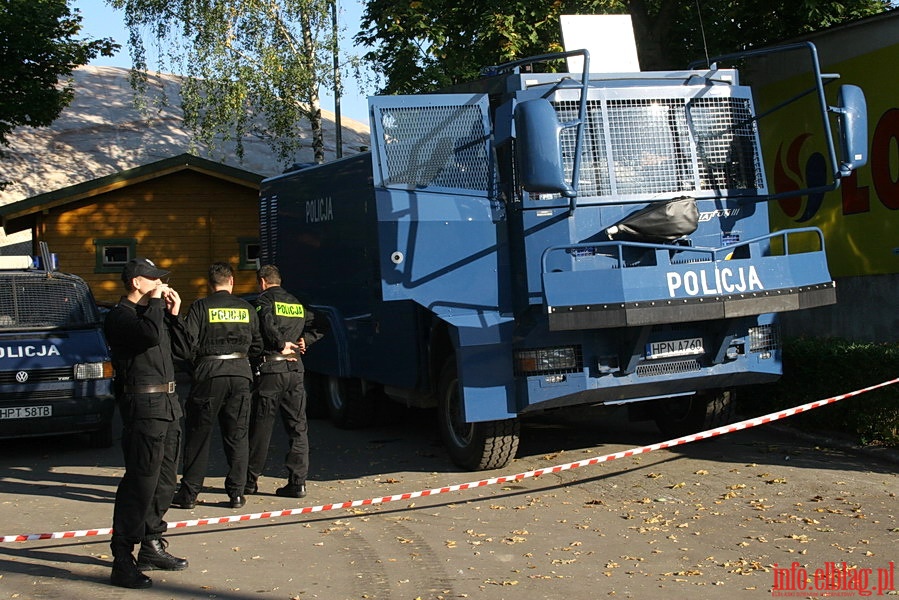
172	301
289	348
302	346
159	291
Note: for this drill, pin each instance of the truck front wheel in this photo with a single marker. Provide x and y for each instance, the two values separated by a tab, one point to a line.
473	446
677	417
348	404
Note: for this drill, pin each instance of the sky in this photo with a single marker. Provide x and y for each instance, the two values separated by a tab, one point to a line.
101	21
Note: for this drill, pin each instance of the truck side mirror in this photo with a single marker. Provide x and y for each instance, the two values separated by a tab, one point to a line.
853	116
539	148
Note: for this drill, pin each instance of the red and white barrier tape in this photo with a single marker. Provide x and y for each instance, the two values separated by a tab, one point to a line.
473	484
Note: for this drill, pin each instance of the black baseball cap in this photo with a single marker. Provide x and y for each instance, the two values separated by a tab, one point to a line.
142	267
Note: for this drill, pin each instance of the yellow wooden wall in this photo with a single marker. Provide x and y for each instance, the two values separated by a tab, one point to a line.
183	222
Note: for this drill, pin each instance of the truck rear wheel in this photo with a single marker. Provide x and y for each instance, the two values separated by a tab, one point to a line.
677	417
473	446
348	404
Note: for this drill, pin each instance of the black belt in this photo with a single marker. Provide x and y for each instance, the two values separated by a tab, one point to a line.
277	357
231	356
162	388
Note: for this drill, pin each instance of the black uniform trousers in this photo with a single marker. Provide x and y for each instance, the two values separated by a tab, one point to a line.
226	399
279	393
145	492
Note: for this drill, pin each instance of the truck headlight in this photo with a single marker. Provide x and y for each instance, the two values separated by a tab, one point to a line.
764	338
539	361
97	370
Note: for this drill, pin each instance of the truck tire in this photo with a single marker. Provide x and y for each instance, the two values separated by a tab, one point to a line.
348	404
472	446
677	417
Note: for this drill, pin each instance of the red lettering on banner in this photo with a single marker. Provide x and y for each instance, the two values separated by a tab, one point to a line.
885	136
855	199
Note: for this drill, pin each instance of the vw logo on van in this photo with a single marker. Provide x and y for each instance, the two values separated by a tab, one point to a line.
21	376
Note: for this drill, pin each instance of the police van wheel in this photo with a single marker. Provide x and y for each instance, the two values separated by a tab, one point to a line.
348	404
472	446
677	417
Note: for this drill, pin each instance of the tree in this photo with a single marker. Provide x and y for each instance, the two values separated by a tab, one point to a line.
39	47
420	46
250	66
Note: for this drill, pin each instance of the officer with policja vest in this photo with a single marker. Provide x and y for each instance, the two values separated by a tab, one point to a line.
288	328
224	330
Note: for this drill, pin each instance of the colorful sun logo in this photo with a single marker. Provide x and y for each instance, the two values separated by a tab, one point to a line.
790	175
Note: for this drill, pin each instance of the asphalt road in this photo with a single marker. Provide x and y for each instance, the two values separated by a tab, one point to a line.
701	520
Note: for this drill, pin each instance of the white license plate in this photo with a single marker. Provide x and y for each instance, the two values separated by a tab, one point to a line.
684	347
25	412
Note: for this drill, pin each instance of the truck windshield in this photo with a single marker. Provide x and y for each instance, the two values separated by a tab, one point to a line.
34	300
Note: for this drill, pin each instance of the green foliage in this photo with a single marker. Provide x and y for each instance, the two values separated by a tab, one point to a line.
39	45
421	46
252	67
817	369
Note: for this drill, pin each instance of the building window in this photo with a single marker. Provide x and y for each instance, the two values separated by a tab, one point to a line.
112	254
249	253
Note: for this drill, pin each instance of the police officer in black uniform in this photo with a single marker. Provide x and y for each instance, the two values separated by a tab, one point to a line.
287	328
143	332
224	330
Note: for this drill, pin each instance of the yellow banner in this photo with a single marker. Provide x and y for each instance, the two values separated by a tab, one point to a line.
860	220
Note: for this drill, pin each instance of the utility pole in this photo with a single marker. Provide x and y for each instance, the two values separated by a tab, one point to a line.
336	53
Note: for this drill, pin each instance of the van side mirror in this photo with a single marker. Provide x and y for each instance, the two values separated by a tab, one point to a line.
853	117
539	148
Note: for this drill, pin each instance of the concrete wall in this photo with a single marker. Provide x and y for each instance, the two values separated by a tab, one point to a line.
867	310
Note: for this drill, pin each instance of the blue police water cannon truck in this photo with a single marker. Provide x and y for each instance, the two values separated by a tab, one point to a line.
536	241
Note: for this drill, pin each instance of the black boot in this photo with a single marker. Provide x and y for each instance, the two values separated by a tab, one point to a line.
126	574
292	490
153	555
183	499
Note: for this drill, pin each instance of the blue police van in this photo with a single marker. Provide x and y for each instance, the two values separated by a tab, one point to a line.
55	371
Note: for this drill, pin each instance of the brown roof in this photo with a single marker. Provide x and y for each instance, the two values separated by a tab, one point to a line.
18	216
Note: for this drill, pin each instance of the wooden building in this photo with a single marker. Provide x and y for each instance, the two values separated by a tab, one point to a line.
184	213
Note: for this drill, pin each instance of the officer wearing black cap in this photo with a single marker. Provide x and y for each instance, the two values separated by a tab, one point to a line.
287	329
225	334
144	332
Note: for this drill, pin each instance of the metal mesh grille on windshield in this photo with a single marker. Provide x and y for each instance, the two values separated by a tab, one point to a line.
663	146
437	146
34	300
725	135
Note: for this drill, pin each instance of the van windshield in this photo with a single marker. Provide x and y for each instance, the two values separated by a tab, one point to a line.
34	300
